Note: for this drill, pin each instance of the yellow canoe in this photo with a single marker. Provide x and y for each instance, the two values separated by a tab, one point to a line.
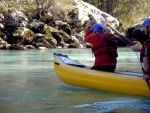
77	74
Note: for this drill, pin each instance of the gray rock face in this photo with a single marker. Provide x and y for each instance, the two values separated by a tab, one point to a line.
84	10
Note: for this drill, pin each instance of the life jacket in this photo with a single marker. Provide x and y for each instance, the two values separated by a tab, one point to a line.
107	45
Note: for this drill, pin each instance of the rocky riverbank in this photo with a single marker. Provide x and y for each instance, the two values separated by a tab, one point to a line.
41	30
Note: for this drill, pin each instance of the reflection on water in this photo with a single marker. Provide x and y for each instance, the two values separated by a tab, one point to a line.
28	84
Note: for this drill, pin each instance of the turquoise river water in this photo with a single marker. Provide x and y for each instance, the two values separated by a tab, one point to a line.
28	84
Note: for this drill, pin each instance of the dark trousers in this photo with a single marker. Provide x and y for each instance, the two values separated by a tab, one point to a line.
108	68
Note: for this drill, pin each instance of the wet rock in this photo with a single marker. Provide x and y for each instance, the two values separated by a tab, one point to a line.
30	47
17	47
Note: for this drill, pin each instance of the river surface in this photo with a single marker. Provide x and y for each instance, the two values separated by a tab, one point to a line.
28	84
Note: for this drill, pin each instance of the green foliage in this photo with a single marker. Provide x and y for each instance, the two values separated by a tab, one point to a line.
130	12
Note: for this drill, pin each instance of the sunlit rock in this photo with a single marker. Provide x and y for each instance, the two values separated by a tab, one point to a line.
85	9
22	36
1	21
4	44
42	48
74	39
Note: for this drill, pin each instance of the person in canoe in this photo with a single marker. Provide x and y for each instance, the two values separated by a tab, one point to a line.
145	50
104	46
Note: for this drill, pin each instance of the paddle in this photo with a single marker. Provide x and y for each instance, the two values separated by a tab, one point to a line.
122	37
147	81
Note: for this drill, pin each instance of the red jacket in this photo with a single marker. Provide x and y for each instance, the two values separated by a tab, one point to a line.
100	49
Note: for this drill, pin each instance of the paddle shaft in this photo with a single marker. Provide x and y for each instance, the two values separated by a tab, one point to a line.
121	36
147	81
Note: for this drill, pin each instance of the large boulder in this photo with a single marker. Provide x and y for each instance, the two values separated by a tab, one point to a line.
85	9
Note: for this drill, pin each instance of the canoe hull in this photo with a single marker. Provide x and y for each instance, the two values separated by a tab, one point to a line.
100	80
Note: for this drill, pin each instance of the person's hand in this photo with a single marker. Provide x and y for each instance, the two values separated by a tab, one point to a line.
91	21
146	76
136	46
136	43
